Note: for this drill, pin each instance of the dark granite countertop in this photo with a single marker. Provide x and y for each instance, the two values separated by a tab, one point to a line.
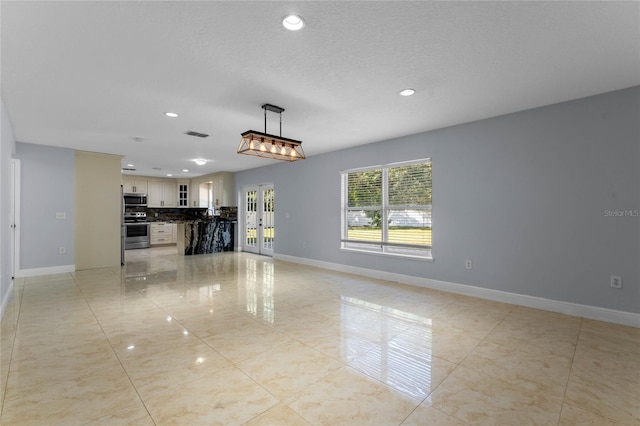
189	215
186	221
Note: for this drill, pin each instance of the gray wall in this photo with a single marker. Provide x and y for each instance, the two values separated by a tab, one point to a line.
47	187
524	196
7	148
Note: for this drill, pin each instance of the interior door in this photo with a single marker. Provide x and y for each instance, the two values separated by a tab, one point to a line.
266	222
14	217
259	223
251	220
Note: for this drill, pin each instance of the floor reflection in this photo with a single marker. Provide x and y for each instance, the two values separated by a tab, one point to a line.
259	294
237	338
370	333
405	369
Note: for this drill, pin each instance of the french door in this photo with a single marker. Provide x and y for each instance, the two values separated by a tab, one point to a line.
259	225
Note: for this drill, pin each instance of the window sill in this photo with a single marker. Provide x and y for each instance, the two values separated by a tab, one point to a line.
401	256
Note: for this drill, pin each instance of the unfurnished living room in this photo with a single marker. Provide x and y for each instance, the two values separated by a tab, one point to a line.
320	213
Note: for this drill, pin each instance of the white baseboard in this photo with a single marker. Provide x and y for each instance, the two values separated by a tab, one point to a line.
567	308
45	271
5	300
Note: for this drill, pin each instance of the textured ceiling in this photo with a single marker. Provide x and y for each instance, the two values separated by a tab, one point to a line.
95	75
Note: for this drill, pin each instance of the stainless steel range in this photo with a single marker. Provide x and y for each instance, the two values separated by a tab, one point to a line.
137	231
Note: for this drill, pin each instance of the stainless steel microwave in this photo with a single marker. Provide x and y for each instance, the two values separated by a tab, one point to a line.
135	199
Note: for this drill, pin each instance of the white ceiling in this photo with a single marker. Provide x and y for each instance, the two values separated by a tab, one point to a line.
95	75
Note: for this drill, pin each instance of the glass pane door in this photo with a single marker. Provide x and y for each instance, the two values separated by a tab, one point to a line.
267	220
259	221
251	220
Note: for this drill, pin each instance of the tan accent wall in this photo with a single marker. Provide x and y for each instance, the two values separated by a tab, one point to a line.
97	226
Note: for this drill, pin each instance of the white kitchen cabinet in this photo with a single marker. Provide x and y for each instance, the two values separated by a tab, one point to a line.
162	194
199	193
162	233
139	186
218	195
226	195
128	185
169	195
183	193
216	190
194	193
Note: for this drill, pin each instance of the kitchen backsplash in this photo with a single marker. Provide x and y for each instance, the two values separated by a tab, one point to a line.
229	213
171	215
182	214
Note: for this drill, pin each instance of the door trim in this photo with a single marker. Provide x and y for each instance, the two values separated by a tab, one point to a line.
14	217
259	247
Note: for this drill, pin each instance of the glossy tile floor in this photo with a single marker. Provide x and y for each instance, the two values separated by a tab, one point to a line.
238	339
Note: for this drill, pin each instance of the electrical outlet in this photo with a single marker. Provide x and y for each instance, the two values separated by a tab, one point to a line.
468	264
616	281
62	250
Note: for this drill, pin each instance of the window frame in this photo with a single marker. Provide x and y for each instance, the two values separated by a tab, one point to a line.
383	247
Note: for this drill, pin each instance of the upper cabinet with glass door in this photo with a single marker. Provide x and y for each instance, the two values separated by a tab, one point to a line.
183	193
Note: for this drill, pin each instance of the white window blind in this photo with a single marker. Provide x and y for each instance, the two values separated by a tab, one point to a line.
387	209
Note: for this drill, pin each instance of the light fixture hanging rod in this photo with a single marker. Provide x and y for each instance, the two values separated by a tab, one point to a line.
275	109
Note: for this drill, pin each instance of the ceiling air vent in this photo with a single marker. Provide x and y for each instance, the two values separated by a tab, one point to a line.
199	135
128	169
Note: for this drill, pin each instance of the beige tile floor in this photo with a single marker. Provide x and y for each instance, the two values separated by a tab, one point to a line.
237	339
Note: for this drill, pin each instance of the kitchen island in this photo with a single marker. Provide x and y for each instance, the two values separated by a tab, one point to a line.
213	235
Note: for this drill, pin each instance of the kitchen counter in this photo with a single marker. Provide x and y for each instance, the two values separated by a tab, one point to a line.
176	215
212	235
183	220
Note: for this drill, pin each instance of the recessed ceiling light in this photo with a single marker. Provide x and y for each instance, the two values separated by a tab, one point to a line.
129	165
185	170
171	114
293	22
407	92
169	175
200	162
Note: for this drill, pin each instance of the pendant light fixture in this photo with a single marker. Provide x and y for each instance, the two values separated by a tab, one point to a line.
270	146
